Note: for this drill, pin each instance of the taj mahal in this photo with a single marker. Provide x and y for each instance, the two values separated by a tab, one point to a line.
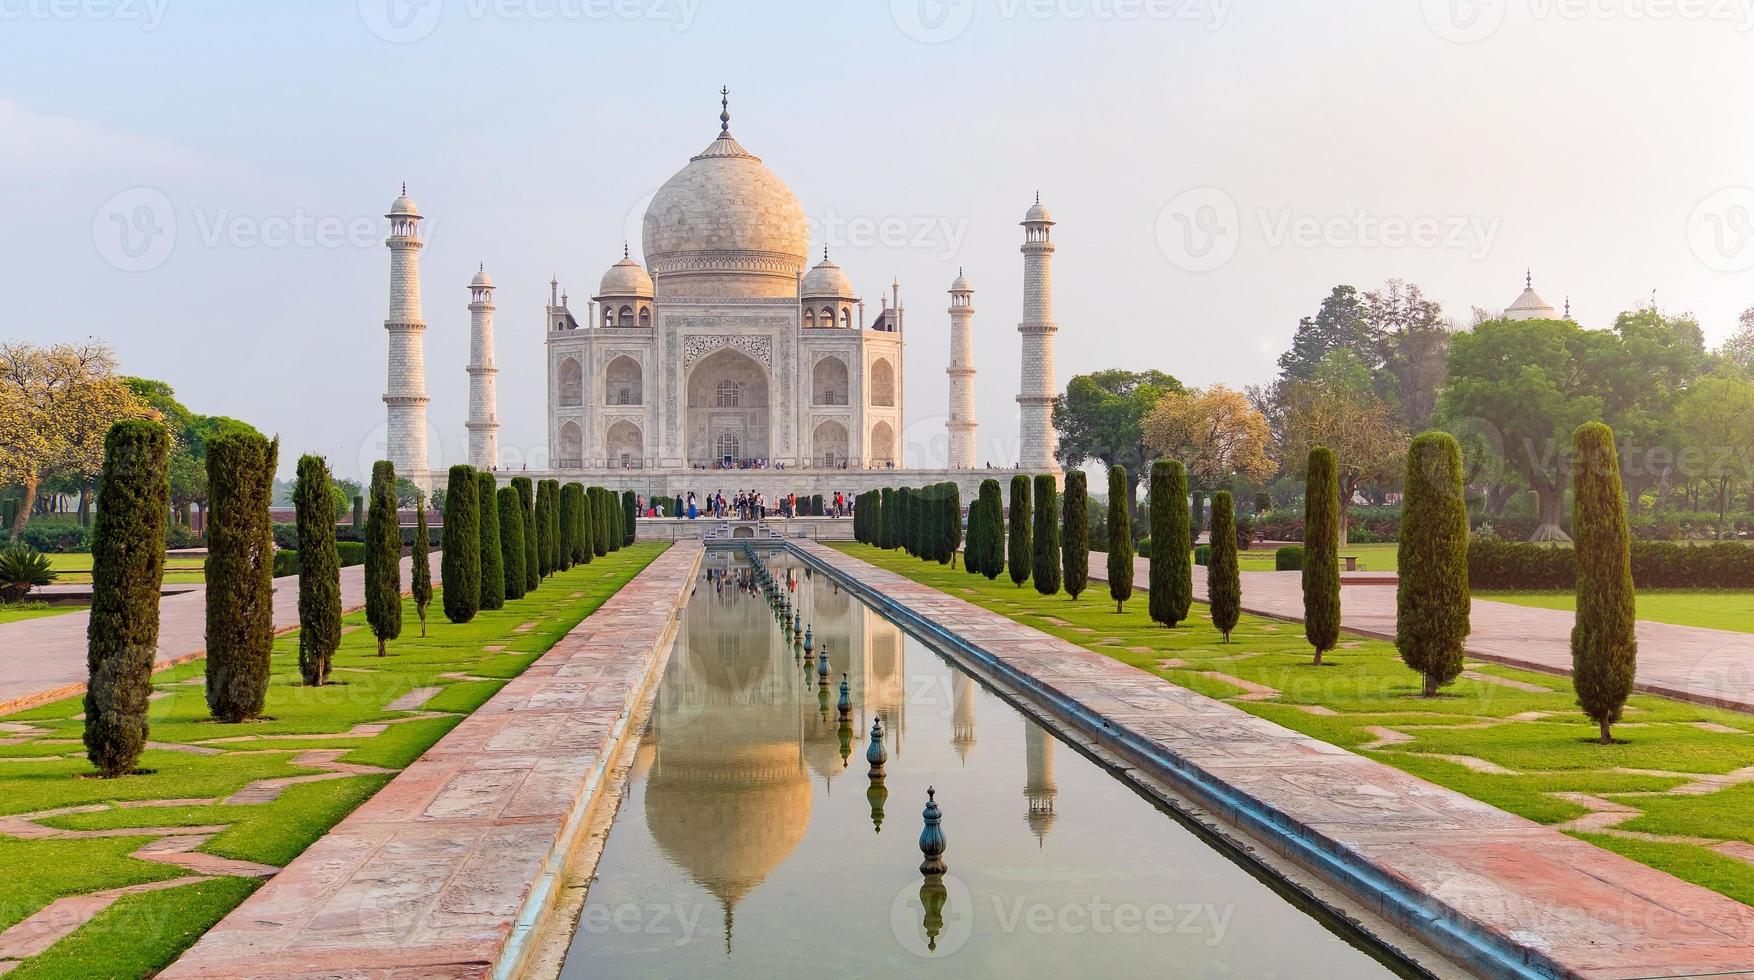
726	350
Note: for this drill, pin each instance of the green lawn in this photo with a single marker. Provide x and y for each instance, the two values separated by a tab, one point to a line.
1718	609
1511	738
75	569
48	769
13	612
1371	557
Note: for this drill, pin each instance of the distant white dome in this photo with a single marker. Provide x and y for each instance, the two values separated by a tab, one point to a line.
626	278
482	280
1530	305
404	205
961	284
828	281
1038	214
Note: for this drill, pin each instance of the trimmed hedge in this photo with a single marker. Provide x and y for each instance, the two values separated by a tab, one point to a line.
1288	559
1655	565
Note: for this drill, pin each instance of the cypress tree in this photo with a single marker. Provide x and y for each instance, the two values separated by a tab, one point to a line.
383	557
617	526
1120	539
1196	516
1431	621
1604	639
1223	583
1172	574
1021	550
949	524
859	519
904	512
568	502
971	557
599	520
629	518
1046	570
421	566
492	553
1075	542
127	571
1321	552
889	527
527	500
240	573
554	543
544	546
582	525
319	571
358	517
511	541
460	565
992	539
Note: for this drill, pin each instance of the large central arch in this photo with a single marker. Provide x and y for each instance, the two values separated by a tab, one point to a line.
728	409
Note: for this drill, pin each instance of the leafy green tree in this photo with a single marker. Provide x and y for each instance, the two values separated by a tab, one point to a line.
1415	342
1172	584
1046	540
127	571
420	567
568	503
1101	415
1120	538
319	571
1075	543
1604	641
1432	603
460	565
511	540
1223	583
383	557
1716	417
492	554
1340	324
532	564
1021	549
240	573
1321	544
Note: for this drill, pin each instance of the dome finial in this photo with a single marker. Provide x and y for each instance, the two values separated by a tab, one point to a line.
405	188
825	253
1529	278
624	251
725	111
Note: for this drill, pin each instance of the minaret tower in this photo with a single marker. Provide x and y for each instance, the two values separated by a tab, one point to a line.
961	424
405	440
1035	402
1039	787
483	376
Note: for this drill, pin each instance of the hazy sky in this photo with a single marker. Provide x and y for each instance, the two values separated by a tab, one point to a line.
1215	165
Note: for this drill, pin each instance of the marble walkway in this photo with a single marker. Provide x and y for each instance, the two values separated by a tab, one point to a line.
1462	869
438	874
43	660
1704	666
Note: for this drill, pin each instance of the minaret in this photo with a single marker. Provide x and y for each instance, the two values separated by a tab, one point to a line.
1038	787
405	440
1035	402
961	424
483	376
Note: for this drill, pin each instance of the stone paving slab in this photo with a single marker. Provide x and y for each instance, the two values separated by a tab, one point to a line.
1463	874
1689	663
433	875
44	659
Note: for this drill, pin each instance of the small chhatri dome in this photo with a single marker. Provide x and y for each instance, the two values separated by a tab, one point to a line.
626	278
827	281
961	284
404	205
482	280
1530	305
1038	214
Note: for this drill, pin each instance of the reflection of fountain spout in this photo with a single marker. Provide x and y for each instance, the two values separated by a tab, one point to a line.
877	794
845	731
933	898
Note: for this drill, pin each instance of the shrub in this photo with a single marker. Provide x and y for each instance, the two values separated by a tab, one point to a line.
1245	532
383	557
127	570
492	555
1120	539
350	553
23	568
1075	534
318	567
527	500
1604	641
1172	580
285	563
1432	599
1223	583
1020	550
286	535
240	573
1289	559
55	535
460	565
1321	572
1203	555
1143	548
511	540
1047	536
420	567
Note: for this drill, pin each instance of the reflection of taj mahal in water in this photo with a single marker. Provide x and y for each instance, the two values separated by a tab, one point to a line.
722	351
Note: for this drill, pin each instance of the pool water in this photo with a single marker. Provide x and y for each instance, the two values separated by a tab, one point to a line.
752	842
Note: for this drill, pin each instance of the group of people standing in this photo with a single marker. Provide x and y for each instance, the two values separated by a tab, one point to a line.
751	506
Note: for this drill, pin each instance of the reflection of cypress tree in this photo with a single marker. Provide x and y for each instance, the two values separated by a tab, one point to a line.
1019	553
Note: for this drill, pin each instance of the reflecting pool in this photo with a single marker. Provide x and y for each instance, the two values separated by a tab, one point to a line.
753	843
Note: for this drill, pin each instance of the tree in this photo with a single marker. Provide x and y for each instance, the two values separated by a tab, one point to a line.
1196	515
1415	341
1738	349
1338	409
1172	583
568	504
240	574
950	524
1021	549
1340	324
383	557
1321	546
583	525
319	571
973	560
1716	418
1120	538
408	493
599	520
492	553
1075	543
630	518
460	565
1215	432
511	540
420	567
546	506
1604	641
991	542
1223	583
1101	417
1431	603
1046	535
527	500
889	528
127	571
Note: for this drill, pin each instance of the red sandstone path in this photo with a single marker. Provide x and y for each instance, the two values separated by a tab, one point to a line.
1704	666
43	660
